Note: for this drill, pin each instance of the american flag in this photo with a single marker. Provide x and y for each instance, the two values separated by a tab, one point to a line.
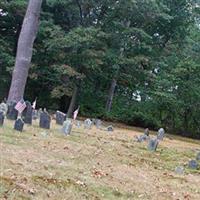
75	114
20	106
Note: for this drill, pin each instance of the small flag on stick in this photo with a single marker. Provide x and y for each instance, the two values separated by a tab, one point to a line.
76	113
34	104
20	106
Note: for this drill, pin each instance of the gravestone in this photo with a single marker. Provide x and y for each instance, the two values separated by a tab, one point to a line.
19	124
45	120
27	113
179	170
146	132
193	164
110	128
12	112
67	127
152	145
35	115
87	124
4	108
198	156
142	138
60	117
161	134
1	118
78	123
98	123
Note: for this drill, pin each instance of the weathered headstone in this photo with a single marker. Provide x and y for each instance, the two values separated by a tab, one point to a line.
146	132
1	118
110	128
19	124
67	127
161	134
12	112
27	113
152	145
4	108
78	123
98	123
193	164
179	170
198	156
45	120
87	124
60	117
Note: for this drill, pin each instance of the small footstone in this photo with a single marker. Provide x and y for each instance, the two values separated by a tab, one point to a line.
19	124
179	170
193	164
110	128
152	145
1	118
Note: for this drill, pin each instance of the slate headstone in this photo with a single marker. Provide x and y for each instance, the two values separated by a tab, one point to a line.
4	108
1	118
198	156
45	120
67	127
87	124
60	117
193	164
161	134
12	112
152	145
19	124
27	113
110	128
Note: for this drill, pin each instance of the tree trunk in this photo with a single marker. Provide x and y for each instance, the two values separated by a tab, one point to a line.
111	95
73	102
24	50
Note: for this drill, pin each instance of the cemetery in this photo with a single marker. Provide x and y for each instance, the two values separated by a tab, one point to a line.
99	100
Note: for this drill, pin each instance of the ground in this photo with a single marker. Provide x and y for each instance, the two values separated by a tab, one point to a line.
94	164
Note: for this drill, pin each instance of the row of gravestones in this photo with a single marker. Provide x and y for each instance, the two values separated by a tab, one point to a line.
152	142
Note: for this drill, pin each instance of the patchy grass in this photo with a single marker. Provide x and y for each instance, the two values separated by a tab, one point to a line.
93	164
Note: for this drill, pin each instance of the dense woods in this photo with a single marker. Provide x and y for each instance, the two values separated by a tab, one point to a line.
133	61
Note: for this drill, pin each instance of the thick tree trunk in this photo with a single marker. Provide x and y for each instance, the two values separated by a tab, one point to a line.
24	50
111	95
73	102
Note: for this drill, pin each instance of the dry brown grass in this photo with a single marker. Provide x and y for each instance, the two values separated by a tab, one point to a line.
93	164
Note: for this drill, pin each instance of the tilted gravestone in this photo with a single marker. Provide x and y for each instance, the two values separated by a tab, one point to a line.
87	124
45	120
60	117
193	164
27	113
152	145
198	156
12	112
67	127
1	118
19	124
4	108
161	134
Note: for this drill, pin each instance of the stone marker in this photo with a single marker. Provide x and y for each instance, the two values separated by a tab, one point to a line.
78	123
179	170
60	117
161	134
193	164
27	113
110	128
146	132
142	138
19	124
152	145
198	156
98	123
67	127
12	113
45	120
4	108
87	124
35	115
1	118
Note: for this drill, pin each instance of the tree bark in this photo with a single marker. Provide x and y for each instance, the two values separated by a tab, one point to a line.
111	95
73	102
24	50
